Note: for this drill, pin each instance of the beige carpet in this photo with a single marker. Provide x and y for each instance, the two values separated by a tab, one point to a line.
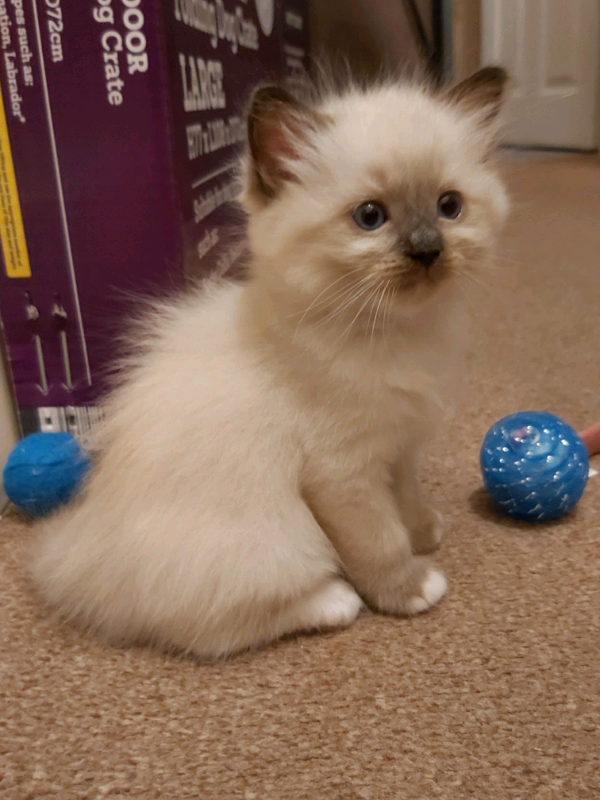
496	694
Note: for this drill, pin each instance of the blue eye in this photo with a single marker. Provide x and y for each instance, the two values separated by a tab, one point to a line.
369	216
450	205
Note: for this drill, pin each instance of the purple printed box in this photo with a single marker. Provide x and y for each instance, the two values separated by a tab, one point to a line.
119	122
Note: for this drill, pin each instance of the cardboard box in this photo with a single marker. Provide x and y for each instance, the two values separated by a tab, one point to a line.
119	124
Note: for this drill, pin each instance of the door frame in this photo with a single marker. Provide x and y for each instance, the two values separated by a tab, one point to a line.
9	426
466	37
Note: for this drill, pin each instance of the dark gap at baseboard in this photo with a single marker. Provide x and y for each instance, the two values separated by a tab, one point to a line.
547	149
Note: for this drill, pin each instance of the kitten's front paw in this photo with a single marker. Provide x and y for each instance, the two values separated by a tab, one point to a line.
433	587
427	535
419	586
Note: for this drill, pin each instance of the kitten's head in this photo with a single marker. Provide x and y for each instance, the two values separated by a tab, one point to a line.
372	194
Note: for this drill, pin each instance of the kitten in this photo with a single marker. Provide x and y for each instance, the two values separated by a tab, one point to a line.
257	468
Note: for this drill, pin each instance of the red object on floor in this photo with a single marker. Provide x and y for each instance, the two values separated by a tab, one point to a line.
591	439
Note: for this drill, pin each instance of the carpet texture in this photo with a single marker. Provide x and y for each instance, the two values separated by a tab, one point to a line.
494	694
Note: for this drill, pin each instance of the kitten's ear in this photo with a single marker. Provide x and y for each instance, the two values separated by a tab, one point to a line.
483	91
278	127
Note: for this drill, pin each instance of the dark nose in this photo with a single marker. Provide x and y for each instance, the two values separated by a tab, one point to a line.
424	245
425	257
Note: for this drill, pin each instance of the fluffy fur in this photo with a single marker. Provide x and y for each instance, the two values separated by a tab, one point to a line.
257	468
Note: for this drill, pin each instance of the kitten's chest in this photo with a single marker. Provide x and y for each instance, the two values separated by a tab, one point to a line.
367	405
396	390
369	422
389	411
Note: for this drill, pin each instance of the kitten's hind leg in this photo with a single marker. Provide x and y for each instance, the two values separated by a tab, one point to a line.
333	604
282	584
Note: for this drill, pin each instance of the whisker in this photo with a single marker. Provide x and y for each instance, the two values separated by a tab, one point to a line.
383	290
469	299
322	292
372	313
358	291
365	280
386	314
339	295
358	313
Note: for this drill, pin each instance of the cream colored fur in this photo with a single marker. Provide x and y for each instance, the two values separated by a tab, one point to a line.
257	468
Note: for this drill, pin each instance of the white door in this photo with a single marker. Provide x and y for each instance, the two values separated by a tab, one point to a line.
550	48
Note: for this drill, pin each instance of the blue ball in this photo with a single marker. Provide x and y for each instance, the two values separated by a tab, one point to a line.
534	466
43	471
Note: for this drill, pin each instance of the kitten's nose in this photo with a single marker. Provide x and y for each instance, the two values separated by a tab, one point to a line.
424	245
425	257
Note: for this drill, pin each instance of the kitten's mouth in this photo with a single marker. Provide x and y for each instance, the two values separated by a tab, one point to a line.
417	275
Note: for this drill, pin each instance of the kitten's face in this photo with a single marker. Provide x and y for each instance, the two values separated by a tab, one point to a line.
379	197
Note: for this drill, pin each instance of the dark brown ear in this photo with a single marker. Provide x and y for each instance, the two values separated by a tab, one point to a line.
278	125
482	91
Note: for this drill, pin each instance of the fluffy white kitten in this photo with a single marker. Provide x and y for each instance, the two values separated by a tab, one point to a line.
257	469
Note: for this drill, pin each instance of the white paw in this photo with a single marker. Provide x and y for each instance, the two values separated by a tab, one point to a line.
334	606
432	589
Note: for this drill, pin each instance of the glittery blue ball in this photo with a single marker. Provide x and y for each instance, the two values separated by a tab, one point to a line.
534	466
43	471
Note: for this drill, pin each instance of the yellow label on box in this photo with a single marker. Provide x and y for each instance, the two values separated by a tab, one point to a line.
12	233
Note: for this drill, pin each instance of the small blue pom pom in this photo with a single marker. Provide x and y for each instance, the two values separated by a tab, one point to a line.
534	466
43	471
